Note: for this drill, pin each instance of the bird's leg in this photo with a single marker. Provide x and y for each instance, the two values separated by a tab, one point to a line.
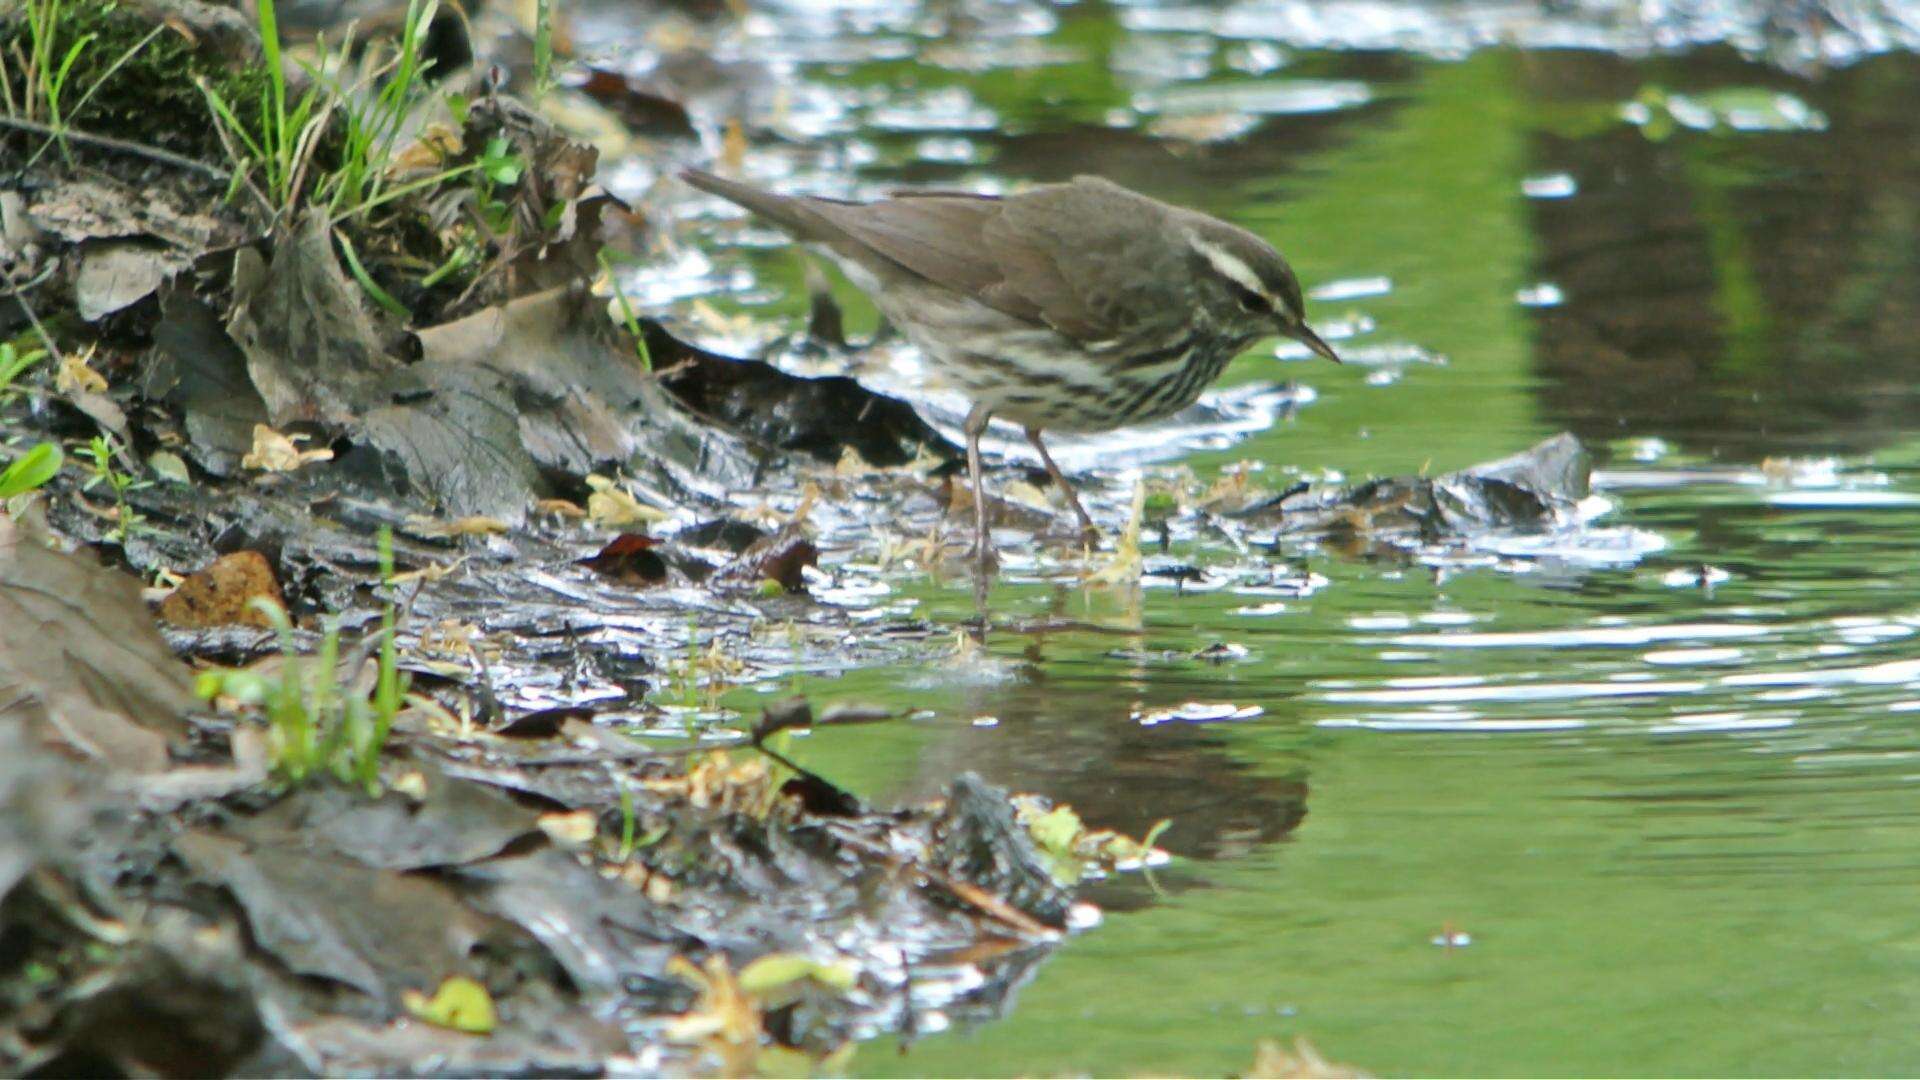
982	548
1066	486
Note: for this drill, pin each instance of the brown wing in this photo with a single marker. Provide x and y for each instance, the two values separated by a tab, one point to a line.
1090	259
935	236
1103	263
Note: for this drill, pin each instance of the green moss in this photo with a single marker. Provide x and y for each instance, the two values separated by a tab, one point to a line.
149	97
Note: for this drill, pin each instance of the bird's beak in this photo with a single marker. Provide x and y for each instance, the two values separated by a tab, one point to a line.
1304	334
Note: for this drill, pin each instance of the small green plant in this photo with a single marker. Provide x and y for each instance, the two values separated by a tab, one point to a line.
372	129
53	62
372	288
99	452
499	167
14	362
314	723
627	822
282	144
47	65
542	47
627	317
30	470
275	157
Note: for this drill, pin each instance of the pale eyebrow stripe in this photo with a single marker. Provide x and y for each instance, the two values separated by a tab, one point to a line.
1229	265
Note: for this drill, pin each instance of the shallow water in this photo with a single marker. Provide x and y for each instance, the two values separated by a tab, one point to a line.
1658	781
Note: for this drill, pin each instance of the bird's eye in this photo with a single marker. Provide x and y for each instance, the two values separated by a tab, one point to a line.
1252	301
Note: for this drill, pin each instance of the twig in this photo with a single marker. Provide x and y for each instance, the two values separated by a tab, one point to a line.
987	903
108	142
20	297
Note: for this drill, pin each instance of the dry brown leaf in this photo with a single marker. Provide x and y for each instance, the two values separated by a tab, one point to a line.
438	144
223	593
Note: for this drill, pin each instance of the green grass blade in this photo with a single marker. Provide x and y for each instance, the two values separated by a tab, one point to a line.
36	467
380	296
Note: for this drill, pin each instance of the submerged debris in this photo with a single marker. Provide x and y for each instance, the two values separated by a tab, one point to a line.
1535	489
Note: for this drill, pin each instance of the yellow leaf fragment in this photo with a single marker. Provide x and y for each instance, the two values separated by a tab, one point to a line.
733	146
475	525
611	505
776	971
274	452
438	144
724	1018
460	1004
429	572
563	508
573	829
74	375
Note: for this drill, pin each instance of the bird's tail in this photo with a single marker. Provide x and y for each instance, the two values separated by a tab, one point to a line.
791	214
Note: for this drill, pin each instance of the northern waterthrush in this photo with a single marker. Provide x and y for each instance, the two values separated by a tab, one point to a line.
1079	307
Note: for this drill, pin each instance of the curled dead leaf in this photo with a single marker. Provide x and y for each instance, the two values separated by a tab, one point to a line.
274	452
630	559
76	376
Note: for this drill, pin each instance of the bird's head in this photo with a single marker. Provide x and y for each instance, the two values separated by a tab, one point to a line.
1251	285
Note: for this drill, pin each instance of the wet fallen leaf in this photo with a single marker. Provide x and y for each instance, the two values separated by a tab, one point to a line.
79	652
223	593
274	452
783	557
640	109
630	559
819	417
459	1004
377	930
312	350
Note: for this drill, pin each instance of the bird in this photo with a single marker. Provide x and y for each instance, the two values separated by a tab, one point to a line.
1076	306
